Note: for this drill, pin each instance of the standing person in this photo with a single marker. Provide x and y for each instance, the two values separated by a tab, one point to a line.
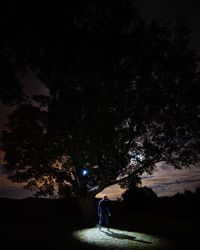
104	212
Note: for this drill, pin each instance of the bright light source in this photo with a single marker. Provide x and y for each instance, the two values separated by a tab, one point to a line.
119	239
85	172
136	157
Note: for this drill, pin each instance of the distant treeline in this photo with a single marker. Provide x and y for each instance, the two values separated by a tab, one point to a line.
144	199
39	204
138	199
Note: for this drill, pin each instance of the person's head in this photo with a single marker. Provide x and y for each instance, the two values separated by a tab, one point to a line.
105	197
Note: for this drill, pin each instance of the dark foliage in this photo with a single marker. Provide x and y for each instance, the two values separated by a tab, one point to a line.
139	198
123	95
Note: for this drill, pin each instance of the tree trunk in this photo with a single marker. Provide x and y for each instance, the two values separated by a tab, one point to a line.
89	211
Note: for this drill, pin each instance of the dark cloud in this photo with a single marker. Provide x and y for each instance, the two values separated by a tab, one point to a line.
10	189
32	85
167	181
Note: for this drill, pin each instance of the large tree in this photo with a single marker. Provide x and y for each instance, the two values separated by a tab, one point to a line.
123	95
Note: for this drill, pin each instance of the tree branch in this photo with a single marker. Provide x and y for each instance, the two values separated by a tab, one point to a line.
106	182
142	168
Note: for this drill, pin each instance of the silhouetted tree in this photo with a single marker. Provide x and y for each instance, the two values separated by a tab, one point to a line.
197	192
141	198
123	95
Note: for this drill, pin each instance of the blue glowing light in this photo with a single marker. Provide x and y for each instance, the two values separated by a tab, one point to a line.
85	172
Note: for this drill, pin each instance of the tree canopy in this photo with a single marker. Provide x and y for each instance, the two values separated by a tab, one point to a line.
123	95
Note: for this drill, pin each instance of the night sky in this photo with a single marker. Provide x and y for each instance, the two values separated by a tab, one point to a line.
165	180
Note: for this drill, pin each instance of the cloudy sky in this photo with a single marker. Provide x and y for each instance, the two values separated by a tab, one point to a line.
165	180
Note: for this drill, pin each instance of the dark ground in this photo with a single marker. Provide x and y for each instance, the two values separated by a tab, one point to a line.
48	224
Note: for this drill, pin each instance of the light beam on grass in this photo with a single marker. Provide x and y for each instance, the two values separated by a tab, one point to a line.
119	239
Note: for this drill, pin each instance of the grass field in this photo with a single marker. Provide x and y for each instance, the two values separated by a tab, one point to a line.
58	229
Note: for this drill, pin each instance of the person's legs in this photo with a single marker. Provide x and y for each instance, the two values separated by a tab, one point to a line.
100	221
107	221
103	220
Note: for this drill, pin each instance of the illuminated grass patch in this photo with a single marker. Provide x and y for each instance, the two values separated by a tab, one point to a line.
120	239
